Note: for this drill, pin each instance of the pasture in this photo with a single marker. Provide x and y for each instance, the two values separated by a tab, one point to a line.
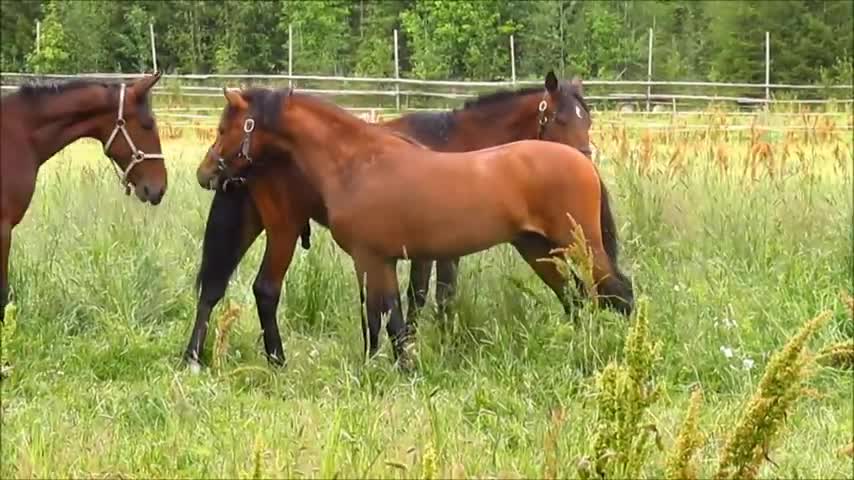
734	237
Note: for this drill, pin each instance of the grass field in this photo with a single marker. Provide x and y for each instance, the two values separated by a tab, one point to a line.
733	255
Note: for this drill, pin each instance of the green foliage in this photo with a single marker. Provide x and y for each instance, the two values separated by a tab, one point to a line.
749	441
321	35
811	41
135	47
458	39
52	55
375	50
17	24
679	464
624	393
7	332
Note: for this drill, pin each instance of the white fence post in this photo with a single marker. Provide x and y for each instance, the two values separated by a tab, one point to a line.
153	48
396	73
649	71
290	55
767	69
38	36
512	60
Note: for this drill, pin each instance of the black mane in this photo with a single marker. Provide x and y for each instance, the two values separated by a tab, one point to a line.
498	97
265	105
35	89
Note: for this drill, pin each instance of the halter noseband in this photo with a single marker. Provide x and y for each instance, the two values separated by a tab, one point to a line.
137	155
245	144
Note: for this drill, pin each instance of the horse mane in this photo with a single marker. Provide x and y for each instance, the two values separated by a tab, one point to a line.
37	89
408	139
501	96
265	105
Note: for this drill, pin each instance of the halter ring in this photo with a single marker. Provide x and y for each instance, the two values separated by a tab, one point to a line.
249	125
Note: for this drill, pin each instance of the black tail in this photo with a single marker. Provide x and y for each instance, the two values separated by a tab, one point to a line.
223	244
622	287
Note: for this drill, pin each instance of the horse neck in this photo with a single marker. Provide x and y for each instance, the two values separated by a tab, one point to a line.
64	118
322	144
486	126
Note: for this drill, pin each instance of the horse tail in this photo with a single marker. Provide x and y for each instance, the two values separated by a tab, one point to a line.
622	285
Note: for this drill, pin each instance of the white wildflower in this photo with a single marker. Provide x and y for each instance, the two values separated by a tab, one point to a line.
747	363
727	351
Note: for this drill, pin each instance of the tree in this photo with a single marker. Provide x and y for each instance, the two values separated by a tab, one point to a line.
322	37
458	39
375	50
51	55
18	27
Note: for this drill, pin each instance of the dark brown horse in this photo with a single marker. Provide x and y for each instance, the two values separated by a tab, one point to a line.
237	216
387	198
40	120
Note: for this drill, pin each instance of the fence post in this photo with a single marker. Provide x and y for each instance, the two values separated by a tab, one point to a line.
290	55
396	73
649	71
153	48
512	60
767	69
38	35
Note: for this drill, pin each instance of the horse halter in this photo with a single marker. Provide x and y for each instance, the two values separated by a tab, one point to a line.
137	155
243	152
543	120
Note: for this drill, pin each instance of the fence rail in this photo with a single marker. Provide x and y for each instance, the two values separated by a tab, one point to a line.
602	90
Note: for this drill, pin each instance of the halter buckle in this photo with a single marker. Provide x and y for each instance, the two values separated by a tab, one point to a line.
543	106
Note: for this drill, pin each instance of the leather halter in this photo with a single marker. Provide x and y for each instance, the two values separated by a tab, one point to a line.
137	155
543	119
243	152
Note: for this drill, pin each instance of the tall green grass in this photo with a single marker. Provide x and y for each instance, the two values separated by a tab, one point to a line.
731	265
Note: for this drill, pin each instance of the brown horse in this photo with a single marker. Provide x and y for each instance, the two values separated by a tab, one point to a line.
237	216
40	120
387	198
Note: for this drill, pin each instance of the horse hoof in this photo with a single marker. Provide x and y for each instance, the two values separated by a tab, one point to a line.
276	360
192	362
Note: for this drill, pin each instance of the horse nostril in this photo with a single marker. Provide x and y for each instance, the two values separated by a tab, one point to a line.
146	191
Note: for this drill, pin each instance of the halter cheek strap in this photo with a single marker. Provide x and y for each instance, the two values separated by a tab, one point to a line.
245	145
137	155
542	118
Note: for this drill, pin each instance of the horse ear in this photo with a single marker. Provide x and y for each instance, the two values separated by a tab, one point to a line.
143	85
551	82
235	99
576	81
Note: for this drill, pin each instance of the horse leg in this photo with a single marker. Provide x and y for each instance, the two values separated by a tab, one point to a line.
381	296
534	248
268	287
5	246
233	225
613	289
446	284
419	285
